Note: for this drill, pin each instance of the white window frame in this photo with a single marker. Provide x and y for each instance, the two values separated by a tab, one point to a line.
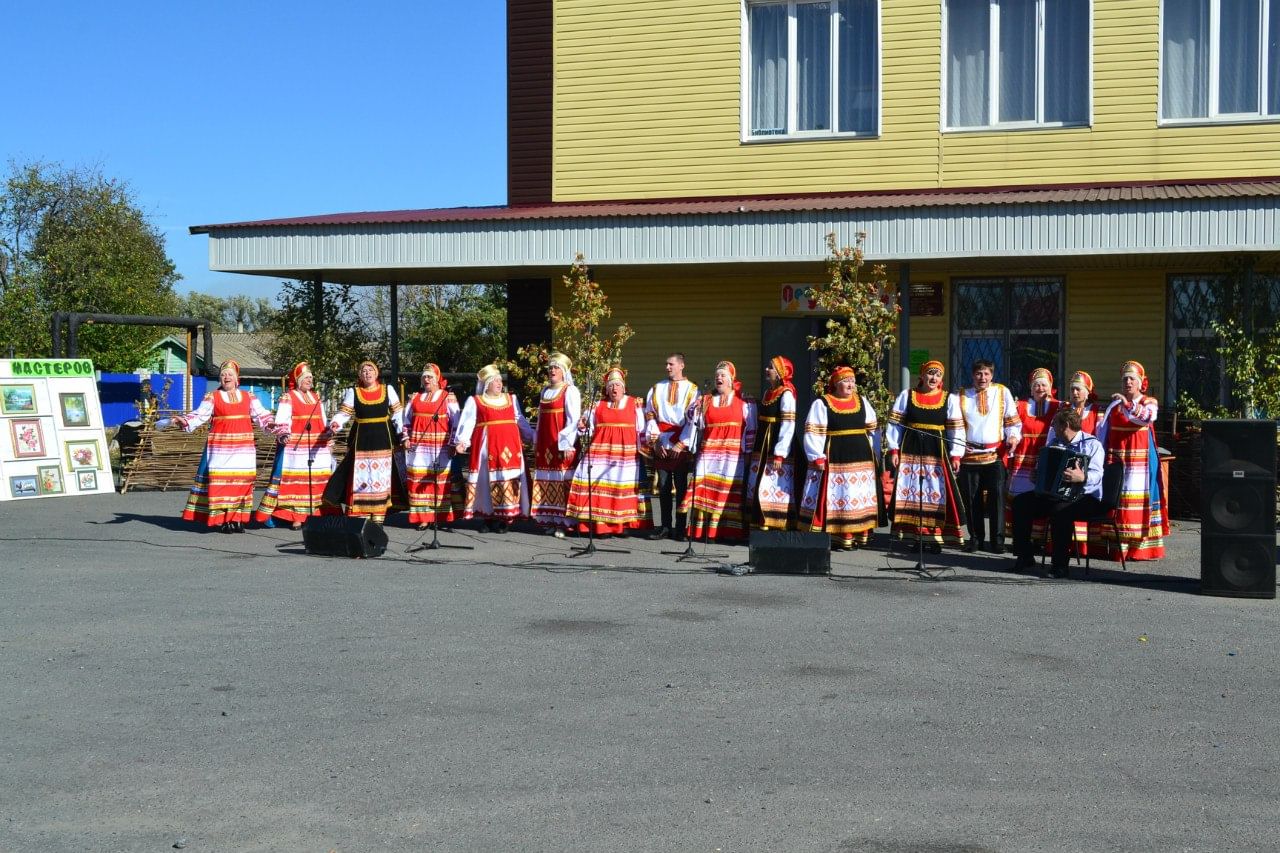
1215	47
793	83
993	76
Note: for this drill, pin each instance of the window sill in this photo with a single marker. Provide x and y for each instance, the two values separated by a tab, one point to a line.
1018	128
806	137
1204	121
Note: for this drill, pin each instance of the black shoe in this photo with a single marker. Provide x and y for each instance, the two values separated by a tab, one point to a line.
500	527
1024	563
995	549
1059	571
932	548
972	546
677	535
226	527
660	533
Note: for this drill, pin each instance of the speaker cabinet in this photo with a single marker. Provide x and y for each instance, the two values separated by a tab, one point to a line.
789	551
1238	509
342	536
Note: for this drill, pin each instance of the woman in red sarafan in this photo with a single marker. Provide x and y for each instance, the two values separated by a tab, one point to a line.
222	494
303	461
606	485
431	415
1128	435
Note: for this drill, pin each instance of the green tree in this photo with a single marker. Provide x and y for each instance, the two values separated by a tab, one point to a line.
334	350
576	333
864	321
238	313
74	240
460	327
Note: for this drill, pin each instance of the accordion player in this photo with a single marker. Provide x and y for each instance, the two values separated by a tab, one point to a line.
1054	461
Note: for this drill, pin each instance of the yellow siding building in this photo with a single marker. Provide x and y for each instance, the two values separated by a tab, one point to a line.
1064	183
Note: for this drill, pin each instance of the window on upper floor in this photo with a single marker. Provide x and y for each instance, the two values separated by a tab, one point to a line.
1220	60
1015	63
811	69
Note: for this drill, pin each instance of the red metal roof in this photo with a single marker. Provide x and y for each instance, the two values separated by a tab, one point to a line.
1137	191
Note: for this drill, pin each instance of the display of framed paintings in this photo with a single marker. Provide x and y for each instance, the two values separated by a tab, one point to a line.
74	411
49	479
52	439
85	453
28	438
17	399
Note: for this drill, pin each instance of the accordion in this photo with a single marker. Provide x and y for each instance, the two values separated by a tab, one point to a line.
1054	460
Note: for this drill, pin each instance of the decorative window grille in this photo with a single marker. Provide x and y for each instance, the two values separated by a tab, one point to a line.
1016	323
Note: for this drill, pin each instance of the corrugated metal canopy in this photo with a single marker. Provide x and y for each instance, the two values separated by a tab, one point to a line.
1118	223
1060	194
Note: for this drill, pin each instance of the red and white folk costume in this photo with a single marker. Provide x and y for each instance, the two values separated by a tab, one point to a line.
771	475
1036	416
926	499
368	480
720	428
1082	386
430	419
1127	432
222	493
491	430
606	485
304	459
842	494
559	407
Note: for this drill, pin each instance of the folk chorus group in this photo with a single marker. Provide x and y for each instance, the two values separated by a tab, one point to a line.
720	463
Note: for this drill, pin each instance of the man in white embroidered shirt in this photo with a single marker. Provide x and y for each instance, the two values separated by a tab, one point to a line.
992	428
1076	495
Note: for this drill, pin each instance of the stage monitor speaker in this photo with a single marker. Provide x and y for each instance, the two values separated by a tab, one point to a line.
1238	509
790	551
342	536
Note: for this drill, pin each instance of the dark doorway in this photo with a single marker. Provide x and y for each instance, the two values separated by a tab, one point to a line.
789	337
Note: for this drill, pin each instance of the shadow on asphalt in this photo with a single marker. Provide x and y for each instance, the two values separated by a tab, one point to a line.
168	522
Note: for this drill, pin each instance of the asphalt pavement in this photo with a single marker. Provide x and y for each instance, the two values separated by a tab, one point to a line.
164	686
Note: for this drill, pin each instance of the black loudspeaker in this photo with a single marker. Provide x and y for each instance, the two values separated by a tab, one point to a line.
1238	509
789	551
341	536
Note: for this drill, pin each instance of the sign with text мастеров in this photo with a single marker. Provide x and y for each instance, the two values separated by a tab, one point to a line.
52	439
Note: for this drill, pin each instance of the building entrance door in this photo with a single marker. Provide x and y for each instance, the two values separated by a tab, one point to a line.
789	337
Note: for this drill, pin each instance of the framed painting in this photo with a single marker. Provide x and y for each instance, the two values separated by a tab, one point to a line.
74	411
84	454
17	399
23	486
28	438
87	481
49	479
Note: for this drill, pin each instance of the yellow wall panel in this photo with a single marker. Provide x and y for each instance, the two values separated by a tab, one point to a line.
1114	316
648	102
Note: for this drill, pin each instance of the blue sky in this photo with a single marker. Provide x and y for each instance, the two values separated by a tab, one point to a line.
228	111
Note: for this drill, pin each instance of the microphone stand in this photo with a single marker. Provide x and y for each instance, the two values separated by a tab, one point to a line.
435	544
944	443
590	547
688	553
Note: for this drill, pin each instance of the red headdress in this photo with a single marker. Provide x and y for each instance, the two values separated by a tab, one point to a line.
1085	381
838	375
733	375
786	371
1138	370
294	376
434	368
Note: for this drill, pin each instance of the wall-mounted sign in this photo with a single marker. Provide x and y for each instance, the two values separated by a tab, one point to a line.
926	299
798	298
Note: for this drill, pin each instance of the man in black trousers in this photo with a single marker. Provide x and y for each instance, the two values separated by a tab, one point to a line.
1079	498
